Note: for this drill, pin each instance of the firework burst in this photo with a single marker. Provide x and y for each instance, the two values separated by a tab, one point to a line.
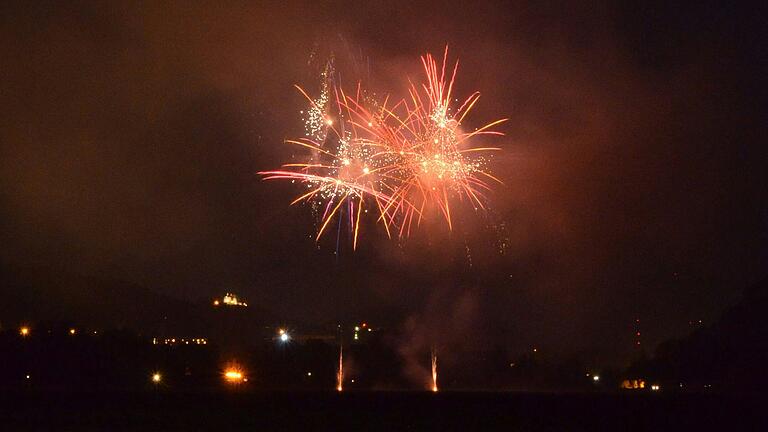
397	158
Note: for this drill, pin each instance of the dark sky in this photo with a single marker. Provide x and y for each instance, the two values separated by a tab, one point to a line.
634	161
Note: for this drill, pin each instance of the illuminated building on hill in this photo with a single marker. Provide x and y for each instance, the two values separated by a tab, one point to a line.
229	299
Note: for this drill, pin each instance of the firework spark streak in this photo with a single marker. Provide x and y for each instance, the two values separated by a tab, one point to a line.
398	159
340	371
434	370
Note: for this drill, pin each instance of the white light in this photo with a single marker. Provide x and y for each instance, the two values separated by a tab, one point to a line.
596	378
284	337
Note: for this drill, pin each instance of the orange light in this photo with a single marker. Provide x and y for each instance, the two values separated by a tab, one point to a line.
72	331
156	377
234	375
215	302
24	331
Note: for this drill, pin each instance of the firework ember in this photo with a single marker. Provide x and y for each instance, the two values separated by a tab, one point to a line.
398	159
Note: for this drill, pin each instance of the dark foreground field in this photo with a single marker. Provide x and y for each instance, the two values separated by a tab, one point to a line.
395	411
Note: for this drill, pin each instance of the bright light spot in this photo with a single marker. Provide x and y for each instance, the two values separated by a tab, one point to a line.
655	387
309	373
233	375
357	328
329	122
156	377
284	337
596	378
72	331
345	162
215	302
370	124
366	170
27	376
24	331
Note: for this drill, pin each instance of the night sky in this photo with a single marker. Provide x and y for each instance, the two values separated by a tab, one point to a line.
634	162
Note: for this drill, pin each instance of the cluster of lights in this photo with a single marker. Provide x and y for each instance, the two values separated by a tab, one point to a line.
360	328
181	341
283	335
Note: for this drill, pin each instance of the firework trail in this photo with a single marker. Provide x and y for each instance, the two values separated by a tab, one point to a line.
434	369
340	371
398	159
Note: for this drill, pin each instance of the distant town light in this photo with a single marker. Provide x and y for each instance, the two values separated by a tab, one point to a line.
655	387
284	337
72	331
309	373
633	384
24	331
26	376
234	376
156	377
596	378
